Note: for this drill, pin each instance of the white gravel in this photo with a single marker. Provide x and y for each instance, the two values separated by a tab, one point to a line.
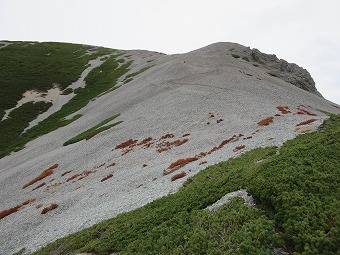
175	96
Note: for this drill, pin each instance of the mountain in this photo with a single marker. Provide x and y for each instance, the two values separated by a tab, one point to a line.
90	132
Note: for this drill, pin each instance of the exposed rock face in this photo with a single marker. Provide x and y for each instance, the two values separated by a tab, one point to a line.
288	72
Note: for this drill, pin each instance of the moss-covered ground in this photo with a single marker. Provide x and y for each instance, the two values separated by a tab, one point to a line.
39	66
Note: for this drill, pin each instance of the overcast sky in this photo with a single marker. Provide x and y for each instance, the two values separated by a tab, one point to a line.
305	32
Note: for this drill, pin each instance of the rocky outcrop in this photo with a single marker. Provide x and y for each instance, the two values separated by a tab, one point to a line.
288	72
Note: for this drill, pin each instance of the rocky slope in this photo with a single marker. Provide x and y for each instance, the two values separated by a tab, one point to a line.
174	107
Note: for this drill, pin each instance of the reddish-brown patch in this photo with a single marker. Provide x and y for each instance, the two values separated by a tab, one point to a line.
39	186
185	135
111	165
178	176
9	211
96	167
304	111
212	115
81	175
128	143
56	184
178	164
167	136
91	136
239	148
106	177
49	208
218	121
39	206
44	174
202	154
306	122
232	139
67	172
265	122
164	146
28	201
126	151
202	162
145	141
283	109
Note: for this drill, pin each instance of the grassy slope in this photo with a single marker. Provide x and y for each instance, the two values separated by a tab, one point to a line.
40	65
94	130
297	193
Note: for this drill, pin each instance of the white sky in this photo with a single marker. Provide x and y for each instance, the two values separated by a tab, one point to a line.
305	32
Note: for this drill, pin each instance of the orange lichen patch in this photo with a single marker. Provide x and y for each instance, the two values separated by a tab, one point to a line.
202	162
218	121
239	148
167	136
65	173
112	164
106	177
91	136
81	175
185	135
164	146
9	211
44	174
265	122
128	143
178	176
39	186
306	122
49	208
283	109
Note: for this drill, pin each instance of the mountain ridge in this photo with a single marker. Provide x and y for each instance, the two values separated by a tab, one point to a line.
206	97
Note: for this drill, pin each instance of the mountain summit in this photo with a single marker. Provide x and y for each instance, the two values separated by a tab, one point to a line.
92	132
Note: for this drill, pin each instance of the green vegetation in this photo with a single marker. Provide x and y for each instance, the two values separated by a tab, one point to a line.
297	194
67	91
131	75
98	81
94	130
40	66
235	55
19	119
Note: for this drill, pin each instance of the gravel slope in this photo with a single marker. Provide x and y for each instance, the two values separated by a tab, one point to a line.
180	95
